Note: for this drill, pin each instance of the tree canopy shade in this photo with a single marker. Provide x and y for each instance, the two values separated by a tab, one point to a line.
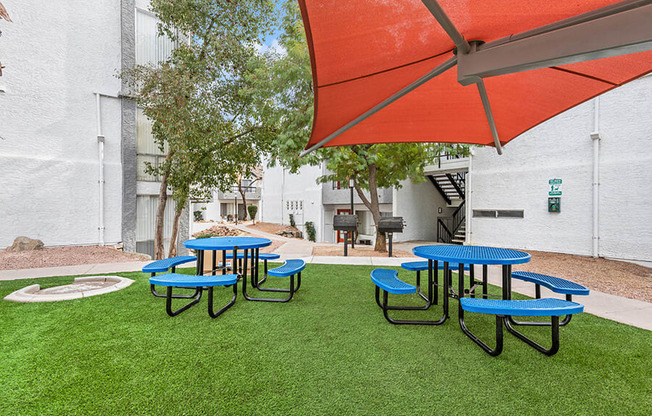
365	51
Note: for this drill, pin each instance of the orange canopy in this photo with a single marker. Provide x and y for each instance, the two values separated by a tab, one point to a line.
364	51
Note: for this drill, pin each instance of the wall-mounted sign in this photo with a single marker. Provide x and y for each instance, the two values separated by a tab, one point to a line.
555	187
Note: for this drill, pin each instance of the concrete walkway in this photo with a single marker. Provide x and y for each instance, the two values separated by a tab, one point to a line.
628	311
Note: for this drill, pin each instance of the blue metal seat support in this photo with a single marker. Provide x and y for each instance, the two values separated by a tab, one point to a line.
388	281
200	283
506	308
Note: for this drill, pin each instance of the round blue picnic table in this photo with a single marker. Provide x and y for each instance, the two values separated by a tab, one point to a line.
472	255
227	243
224	244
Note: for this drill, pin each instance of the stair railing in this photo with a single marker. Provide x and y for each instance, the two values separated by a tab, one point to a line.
443	233
459	216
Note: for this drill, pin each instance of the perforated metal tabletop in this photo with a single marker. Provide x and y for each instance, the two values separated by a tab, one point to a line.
471	254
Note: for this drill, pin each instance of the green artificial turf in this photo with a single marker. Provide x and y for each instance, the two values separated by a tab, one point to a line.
327	352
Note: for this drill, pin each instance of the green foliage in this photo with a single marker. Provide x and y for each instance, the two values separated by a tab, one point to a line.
253	210
198	215
310	229
292	222
205	235
198	99
288	80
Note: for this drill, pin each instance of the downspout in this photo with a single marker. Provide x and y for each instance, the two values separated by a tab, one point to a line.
595	136
100	154
469	192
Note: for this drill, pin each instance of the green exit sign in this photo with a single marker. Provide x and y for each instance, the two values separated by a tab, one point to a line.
554	187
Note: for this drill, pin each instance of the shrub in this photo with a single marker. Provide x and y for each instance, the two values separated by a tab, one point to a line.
292	223
310	229
253	210
198	215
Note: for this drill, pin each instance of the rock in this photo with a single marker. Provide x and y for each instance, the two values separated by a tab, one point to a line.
290	232
218	231
25	243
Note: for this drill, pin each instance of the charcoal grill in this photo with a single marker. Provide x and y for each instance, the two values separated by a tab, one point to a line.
391	225
348	224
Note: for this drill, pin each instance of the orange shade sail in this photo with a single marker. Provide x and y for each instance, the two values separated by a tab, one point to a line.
364	51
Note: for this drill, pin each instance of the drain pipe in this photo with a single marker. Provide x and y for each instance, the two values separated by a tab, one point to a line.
595	136
100	153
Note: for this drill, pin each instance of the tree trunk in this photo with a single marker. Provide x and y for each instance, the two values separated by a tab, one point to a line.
373	205
244	200
175	231
159	250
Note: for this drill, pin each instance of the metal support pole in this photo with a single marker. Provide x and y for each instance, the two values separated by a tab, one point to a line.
390	244
346	242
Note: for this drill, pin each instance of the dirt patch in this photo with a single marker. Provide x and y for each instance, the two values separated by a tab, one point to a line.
267	227
65	256
220	231
358	251
608	276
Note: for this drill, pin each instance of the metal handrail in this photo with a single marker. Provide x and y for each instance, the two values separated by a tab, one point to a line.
443	233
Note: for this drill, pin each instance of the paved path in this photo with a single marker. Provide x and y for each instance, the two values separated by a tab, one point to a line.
628	311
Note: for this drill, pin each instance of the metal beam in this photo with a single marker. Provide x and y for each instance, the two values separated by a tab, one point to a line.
448	26
621	32
490	117
445	66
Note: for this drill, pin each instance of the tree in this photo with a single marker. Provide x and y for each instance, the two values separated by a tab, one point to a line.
253	210
198	99
289	85
249	172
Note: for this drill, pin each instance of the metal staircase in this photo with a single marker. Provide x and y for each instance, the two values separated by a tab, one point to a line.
451	186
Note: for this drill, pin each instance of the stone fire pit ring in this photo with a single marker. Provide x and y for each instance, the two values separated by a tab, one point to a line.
82	287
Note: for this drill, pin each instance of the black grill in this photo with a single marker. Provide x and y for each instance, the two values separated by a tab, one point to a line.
345	222
391	225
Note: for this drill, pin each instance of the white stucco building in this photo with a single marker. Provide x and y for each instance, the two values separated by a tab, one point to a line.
72	147
503	200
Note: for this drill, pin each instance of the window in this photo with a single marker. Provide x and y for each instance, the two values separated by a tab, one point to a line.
147	151
150	47
498	213
146	221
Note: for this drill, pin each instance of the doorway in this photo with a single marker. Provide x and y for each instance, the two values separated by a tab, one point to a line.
340	234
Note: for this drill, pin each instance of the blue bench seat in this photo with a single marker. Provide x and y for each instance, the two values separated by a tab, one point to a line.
556	284
185	280
533	307
388	281
200	283
504	309
290	269
164	265
160	266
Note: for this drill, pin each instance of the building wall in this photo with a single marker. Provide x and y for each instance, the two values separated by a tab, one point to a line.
418	204
280	188
562	148
55	59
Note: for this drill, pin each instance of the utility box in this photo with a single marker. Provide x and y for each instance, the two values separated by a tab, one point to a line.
554	204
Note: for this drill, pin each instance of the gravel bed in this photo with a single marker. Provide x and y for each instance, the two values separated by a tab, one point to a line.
65	256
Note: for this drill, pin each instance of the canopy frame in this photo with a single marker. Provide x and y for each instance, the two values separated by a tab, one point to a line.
614	30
